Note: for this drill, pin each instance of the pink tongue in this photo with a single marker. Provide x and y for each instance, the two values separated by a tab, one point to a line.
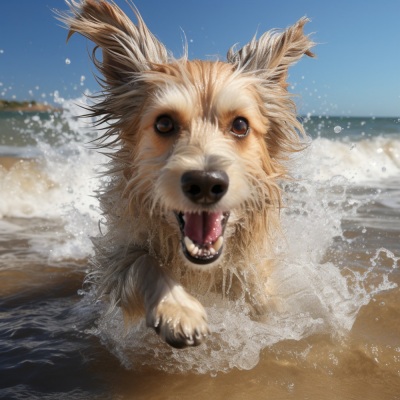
203	228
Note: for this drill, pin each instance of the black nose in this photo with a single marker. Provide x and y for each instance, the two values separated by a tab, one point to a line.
205	187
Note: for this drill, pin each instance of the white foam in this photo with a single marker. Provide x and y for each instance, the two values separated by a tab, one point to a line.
60	182
236	340
307	299
368	160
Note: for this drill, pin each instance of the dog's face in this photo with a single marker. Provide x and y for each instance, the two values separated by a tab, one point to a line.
202	142
201	146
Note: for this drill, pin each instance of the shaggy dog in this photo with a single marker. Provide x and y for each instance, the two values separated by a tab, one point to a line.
197	149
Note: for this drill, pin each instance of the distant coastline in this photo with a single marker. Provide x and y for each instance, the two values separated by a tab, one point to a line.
25	106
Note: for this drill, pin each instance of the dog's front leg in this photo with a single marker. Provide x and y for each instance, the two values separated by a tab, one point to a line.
177	317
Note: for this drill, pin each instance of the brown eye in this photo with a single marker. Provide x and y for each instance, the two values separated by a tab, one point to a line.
165	125
240	127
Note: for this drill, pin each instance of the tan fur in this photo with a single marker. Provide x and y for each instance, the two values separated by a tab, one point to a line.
139	264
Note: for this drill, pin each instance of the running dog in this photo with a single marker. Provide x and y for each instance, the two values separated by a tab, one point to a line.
197	149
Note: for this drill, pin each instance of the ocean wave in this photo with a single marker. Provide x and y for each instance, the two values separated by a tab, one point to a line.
366	161
49	178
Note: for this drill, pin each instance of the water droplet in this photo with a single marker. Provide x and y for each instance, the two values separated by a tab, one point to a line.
67	61
290	387
337	129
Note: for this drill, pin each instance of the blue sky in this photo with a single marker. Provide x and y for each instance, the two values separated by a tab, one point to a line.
356	73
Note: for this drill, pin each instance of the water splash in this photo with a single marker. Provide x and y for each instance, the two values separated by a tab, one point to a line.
310	292
57	178
337	129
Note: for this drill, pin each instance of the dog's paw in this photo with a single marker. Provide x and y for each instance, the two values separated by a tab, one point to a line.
179	319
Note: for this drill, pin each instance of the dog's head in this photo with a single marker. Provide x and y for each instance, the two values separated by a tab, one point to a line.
200	141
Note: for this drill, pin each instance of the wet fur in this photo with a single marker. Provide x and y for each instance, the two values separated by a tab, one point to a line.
138	263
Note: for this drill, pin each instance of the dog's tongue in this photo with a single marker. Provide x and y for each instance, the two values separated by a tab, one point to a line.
203	228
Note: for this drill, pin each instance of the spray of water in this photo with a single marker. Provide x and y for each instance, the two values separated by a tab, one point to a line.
310	292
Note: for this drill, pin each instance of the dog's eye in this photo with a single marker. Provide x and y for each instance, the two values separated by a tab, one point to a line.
165	125
240	127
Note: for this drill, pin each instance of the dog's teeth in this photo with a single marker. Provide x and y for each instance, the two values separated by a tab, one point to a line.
189	244
195	250
203	251
218	244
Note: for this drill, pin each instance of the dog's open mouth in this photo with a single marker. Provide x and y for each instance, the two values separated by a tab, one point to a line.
202	235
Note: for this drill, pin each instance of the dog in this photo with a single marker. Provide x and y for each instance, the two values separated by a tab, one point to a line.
197	151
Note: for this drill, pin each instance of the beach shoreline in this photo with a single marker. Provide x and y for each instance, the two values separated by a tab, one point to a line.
25	106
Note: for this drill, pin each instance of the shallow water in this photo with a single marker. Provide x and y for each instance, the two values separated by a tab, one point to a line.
333	330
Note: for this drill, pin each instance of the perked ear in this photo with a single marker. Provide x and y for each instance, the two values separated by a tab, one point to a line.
273	53
127	48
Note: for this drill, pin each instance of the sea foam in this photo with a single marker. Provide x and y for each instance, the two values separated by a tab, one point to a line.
367	161
57	180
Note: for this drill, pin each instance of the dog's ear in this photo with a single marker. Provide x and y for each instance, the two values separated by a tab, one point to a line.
127	48
273	53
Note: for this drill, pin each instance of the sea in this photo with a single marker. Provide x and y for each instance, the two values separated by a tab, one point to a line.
333	328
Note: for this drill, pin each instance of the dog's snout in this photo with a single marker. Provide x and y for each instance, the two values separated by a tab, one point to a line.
205	187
